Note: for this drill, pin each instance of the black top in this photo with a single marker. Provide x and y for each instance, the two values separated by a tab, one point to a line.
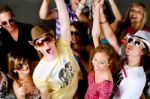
8	44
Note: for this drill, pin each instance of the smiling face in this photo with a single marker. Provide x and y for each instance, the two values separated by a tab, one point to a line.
136	14
100	61
7	21
74	4
75	35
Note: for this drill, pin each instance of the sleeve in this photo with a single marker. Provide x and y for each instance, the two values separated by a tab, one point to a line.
133	90
41	81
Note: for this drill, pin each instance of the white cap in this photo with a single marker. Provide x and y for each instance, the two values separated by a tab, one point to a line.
144	36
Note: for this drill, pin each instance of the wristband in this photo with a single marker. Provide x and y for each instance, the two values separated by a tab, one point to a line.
81	6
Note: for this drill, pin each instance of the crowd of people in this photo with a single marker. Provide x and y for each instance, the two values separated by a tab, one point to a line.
93	53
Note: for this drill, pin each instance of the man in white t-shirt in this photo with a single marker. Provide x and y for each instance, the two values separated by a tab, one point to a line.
57	74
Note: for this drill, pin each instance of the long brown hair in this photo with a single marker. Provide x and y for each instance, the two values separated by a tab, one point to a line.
14	58
113	57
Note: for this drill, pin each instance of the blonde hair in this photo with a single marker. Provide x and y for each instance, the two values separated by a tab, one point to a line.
145	16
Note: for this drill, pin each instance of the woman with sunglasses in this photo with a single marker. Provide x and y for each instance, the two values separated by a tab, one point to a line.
19	72
131	79
81	47
14	36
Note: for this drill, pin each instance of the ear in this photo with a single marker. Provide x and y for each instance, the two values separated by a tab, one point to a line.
110	62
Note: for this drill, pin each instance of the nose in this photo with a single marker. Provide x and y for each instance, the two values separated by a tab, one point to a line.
46	44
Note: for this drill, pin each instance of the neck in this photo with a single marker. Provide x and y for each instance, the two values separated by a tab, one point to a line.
26	76
135	26
133	62
49	58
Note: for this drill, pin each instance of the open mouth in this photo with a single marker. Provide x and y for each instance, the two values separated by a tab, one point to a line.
133	18
48	50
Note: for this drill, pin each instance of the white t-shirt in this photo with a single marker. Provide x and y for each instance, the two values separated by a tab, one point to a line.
132	83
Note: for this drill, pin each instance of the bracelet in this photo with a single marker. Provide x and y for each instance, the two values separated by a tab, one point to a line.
81	6
102	22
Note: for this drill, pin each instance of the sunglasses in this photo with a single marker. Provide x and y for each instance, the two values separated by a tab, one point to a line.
11	20
75	33
136	42
40	43
19	66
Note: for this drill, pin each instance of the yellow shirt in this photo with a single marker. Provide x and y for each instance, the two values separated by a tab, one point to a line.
60	76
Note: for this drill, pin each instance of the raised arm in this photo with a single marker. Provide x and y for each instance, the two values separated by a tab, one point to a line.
116	13
64	20
108	31
96	29
80	14
81	5
45	13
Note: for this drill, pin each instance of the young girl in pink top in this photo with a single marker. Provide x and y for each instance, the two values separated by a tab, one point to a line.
103	63
100	80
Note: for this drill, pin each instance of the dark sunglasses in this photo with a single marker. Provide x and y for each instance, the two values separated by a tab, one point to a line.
19	66
75	33
136	42
40	43
12	20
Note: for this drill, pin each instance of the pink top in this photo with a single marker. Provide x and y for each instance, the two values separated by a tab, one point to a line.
98	90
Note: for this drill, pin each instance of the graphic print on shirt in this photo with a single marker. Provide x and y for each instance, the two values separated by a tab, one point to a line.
66	74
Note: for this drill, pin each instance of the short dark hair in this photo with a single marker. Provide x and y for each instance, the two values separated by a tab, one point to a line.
5	8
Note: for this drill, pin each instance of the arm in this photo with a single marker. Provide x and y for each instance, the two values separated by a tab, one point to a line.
64	20
96	29
18	90
79	9
81	16
108	31
45	95
44	13
116	13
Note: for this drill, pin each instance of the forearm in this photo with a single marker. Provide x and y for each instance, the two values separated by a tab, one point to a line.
64	20
116	13
96	29
81	5
44	9
108	32
45	95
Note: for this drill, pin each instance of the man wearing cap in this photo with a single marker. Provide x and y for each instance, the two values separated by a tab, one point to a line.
132	78
57	74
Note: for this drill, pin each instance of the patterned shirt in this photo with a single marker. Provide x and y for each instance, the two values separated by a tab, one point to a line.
98	90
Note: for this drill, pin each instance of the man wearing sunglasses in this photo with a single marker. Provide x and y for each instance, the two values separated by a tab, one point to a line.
131	79
14	36
57	73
